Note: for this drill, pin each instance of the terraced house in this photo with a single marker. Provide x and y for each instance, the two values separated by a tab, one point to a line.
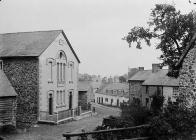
42	67
144	84
112	94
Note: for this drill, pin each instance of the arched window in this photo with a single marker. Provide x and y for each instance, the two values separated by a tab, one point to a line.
50	62
61	55
61	67
71	66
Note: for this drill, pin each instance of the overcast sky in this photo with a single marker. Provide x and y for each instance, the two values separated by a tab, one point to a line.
94	28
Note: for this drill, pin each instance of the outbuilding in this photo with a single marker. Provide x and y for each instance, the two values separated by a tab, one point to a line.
7	102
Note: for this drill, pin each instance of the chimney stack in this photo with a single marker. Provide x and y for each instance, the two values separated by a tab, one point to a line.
156	67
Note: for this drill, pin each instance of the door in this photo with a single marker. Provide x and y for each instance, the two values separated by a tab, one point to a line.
117	102
50	104
70	99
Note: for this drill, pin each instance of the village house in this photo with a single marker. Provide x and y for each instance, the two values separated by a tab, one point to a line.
42	67
7	101
112	94
146	83
160	83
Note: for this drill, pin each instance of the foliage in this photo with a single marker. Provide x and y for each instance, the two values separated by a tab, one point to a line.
7	129
170	27
122	79
157	103
176	122
135	113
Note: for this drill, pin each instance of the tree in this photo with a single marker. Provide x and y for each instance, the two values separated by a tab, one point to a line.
170	27
157	102
122	79
135	112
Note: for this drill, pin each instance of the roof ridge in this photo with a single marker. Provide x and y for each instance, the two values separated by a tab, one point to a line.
30	31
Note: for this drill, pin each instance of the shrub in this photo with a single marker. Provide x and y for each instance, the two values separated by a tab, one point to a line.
135	113
175	122
8	129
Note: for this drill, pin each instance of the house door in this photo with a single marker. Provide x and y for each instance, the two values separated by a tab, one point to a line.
70	100
111	101
50	104
117	102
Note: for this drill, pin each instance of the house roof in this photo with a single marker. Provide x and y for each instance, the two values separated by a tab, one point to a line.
117	87
6	88
29	43
141	75
160	78
84	85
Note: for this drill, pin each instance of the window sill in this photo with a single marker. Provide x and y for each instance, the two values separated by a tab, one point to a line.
50	82
60	106
61	84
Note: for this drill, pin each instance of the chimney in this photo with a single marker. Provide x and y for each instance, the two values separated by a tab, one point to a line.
141	68
156	67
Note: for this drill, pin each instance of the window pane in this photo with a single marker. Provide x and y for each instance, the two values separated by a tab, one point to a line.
64	72
57	98
61	72
57	72
64	96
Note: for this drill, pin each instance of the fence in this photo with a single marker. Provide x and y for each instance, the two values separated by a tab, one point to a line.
112	134
59	116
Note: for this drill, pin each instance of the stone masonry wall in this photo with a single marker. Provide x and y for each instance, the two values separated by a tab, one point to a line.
135	88
23	75
188	77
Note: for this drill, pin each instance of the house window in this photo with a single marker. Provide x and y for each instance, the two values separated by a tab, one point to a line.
63	71
111	101
64	97
147	102
57	72
175	91
146	89
1	65
106	99
50	62
62	55
61	77
61	97
57	98
71	66
61	67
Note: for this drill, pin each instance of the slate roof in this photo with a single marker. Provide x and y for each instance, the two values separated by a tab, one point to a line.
160	78
116	87
28	43
84	85
141	75
6	89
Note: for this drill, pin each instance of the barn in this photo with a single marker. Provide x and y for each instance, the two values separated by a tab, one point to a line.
7	101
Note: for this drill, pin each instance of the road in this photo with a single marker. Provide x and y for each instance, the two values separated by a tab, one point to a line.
54	132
